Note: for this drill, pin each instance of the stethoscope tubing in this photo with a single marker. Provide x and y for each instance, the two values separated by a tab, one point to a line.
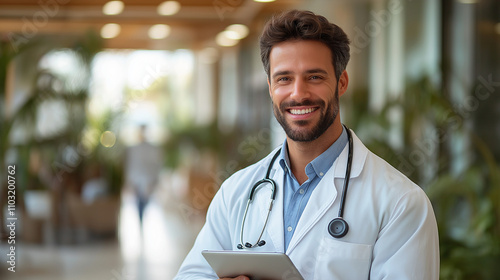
333	227
250	199
347	172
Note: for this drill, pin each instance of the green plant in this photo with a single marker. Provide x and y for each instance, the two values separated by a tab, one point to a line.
44	86
467	207
199	137
466	200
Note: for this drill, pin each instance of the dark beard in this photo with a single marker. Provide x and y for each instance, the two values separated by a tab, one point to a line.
326	119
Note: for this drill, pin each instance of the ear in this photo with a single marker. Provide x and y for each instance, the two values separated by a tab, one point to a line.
343	83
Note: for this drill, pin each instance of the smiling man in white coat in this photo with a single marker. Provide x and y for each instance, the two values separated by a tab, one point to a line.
386	228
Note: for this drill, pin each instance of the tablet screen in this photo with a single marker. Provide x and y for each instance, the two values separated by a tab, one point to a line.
256	265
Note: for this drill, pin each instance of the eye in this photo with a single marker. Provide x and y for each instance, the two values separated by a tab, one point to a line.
316	77
283	79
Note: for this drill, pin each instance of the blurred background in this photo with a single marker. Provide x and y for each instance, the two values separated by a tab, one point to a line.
123	118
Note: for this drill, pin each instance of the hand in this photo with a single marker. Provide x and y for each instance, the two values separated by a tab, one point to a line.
241	277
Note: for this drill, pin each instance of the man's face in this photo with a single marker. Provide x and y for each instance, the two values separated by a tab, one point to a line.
303	88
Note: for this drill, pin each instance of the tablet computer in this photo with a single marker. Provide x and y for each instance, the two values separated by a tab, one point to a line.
256	265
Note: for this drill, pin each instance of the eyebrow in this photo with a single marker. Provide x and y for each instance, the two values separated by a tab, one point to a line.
310	71
317	70
281	73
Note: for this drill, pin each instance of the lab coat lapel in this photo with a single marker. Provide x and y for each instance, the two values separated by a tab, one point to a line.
358	159
326	192
320	201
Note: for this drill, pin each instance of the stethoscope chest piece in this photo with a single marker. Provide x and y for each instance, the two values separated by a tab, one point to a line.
338	227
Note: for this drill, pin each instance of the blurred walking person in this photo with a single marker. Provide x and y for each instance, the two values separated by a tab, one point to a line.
142	169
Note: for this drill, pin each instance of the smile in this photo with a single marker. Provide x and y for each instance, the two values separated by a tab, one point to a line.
302	111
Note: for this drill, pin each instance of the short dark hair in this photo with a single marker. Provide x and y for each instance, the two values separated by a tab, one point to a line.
305	25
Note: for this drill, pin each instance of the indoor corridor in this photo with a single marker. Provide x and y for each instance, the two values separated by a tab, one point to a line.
155	253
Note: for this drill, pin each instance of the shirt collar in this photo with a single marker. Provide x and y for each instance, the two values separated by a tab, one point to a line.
323	162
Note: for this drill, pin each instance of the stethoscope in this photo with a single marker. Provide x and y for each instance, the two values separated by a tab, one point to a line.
337	228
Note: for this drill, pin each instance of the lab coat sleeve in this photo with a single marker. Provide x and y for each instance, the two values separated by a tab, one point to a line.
213	236
408	245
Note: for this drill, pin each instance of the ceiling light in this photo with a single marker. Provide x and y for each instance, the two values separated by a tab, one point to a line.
113	8
468	1
110	30
168	8
239	31
224	39
264	1
232	34
159	31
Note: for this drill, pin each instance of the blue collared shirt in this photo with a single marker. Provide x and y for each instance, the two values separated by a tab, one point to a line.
296	196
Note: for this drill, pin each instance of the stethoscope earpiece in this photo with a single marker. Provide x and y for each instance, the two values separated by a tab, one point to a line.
249	245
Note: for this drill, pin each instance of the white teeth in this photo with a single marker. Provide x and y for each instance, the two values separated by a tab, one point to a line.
301	111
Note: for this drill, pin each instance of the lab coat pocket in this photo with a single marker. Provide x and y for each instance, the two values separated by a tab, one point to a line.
342	260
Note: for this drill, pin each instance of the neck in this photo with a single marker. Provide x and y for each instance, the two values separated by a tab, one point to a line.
302	153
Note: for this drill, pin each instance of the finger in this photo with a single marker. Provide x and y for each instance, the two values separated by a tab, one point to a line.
241	277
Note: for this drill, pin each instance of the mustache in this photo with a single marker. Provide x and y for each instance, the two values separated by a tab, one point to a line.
293	103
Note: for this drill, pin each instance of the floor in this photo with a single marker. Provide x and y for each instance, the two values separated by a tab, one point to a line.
154	253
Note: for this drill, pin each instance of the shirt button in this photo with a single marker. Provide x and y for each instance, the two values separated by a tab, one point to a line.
301	191
321	174
289	229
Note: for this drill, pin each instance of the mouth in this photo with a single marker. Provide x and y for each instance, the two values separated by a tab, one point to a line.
301	111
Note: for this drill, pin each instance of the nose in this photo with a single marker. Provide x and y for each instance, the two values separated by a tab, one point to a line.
300	91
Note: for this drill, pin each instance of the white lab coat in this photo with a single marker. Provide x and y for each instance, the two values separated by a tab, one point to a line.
392	228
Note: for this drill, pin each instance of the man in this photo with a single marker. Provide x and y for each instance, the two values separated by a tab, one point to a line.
142	170
392	232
